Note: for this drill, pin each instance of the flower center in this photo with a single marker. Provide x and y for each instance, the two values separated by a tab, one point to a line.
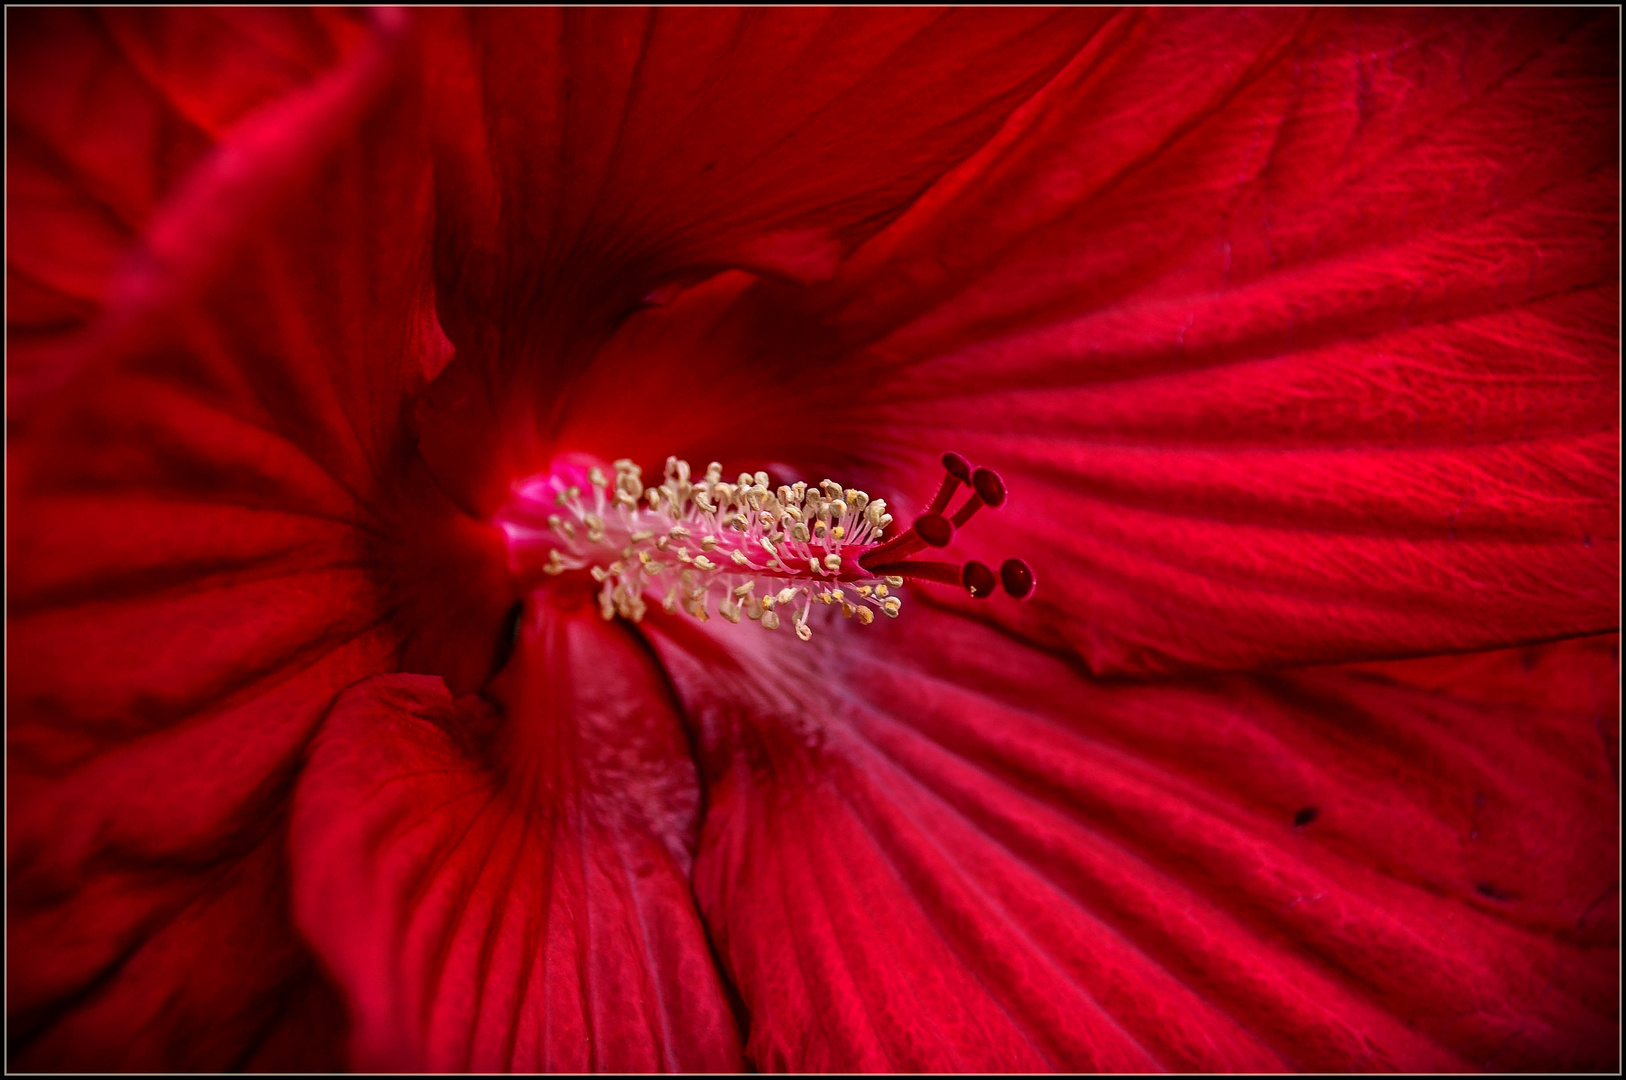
743	548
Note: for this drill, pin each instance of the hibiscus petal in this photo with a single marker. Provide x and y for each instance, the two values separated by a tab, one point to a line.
585	158
1302	356
510	891
1304	352
106	113
212	529
183	996
947	851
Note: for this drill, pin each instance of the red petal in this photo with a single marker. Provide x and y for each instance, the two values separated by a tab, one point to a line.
1304	355
947	851
210	532
1305	352
585	158
106	112
511	891
210	974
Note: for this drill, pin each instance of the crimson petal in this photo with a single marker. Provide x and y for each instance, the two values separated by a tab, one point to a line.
212	530
584	159
1306	352
511	891
946	851
106	113
1305	355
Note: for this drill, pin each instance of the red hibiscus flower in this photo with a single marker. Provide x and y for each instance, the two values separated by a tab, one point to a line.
1292	334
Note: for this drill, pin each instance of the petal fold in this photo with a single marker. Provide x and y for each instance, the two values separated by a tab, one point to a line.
508	890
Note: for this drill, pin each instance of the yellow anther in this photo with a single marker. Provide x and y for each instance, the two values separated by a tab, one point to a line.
681	531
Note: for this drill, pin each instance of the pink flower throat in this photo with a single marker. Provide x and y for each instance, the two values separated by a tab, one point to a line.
744	548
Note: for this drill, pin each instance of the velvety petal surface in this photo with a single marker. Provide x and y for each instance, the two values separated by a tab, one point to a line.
507	889
929	846
106	112
586	158
212	529
1294	335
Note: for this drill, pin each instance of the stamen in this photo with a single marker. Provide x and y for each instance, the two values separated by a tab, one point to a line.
716	535
821	542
